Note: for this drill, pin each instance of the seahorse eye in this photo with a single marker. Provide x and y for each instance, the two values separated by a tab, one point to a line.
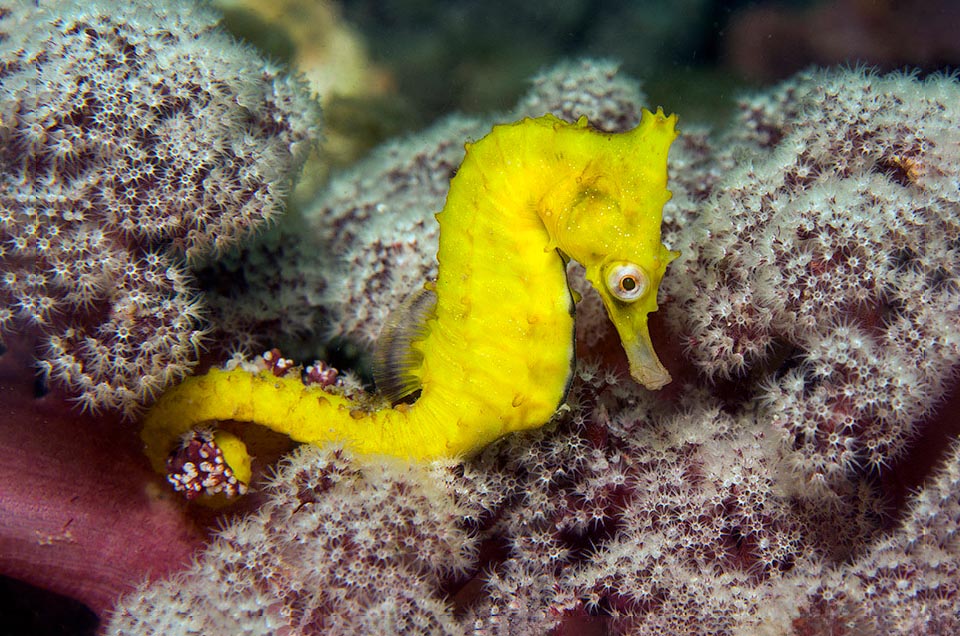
627	282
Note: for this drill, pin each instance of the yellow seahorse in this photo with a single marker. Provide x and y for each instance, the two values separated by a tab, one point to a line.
495	353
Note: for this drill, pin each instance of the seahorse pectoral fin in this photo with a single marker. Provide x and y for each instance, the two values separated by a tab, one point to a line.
396	362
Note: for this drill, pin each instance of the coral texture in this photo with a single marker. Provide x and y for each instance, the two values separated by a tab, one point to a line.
830	255
132	139
342	546
664	522
909	583
817	301
657	520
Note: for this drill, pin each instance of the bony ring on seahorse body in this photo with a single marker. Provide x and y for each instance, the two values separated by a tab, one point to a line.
492	348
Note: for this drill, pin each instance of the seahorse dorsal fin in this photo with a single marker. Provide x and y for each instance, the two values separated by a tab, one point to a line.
396	362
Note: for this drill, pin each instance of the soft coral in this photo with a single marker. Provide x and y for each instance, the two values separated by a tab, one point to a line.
81	512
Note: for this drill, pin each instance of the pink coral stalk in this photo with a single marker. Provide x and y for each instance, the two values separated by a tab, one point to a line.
81	512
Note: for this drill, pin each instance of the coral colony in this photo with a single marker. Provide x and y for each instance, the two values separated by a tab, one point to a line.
135	139
833	256
814	310
764	512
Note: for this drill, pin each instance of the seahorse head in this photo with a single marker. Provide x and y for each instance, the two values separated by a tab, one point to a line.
612	211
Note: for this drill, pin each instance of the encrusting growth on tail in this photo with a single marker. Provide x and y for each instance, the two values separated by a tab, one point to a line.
495	353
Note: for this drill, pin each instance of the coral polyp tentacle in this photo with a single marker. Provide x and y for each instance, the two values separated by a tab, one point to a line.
496	353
